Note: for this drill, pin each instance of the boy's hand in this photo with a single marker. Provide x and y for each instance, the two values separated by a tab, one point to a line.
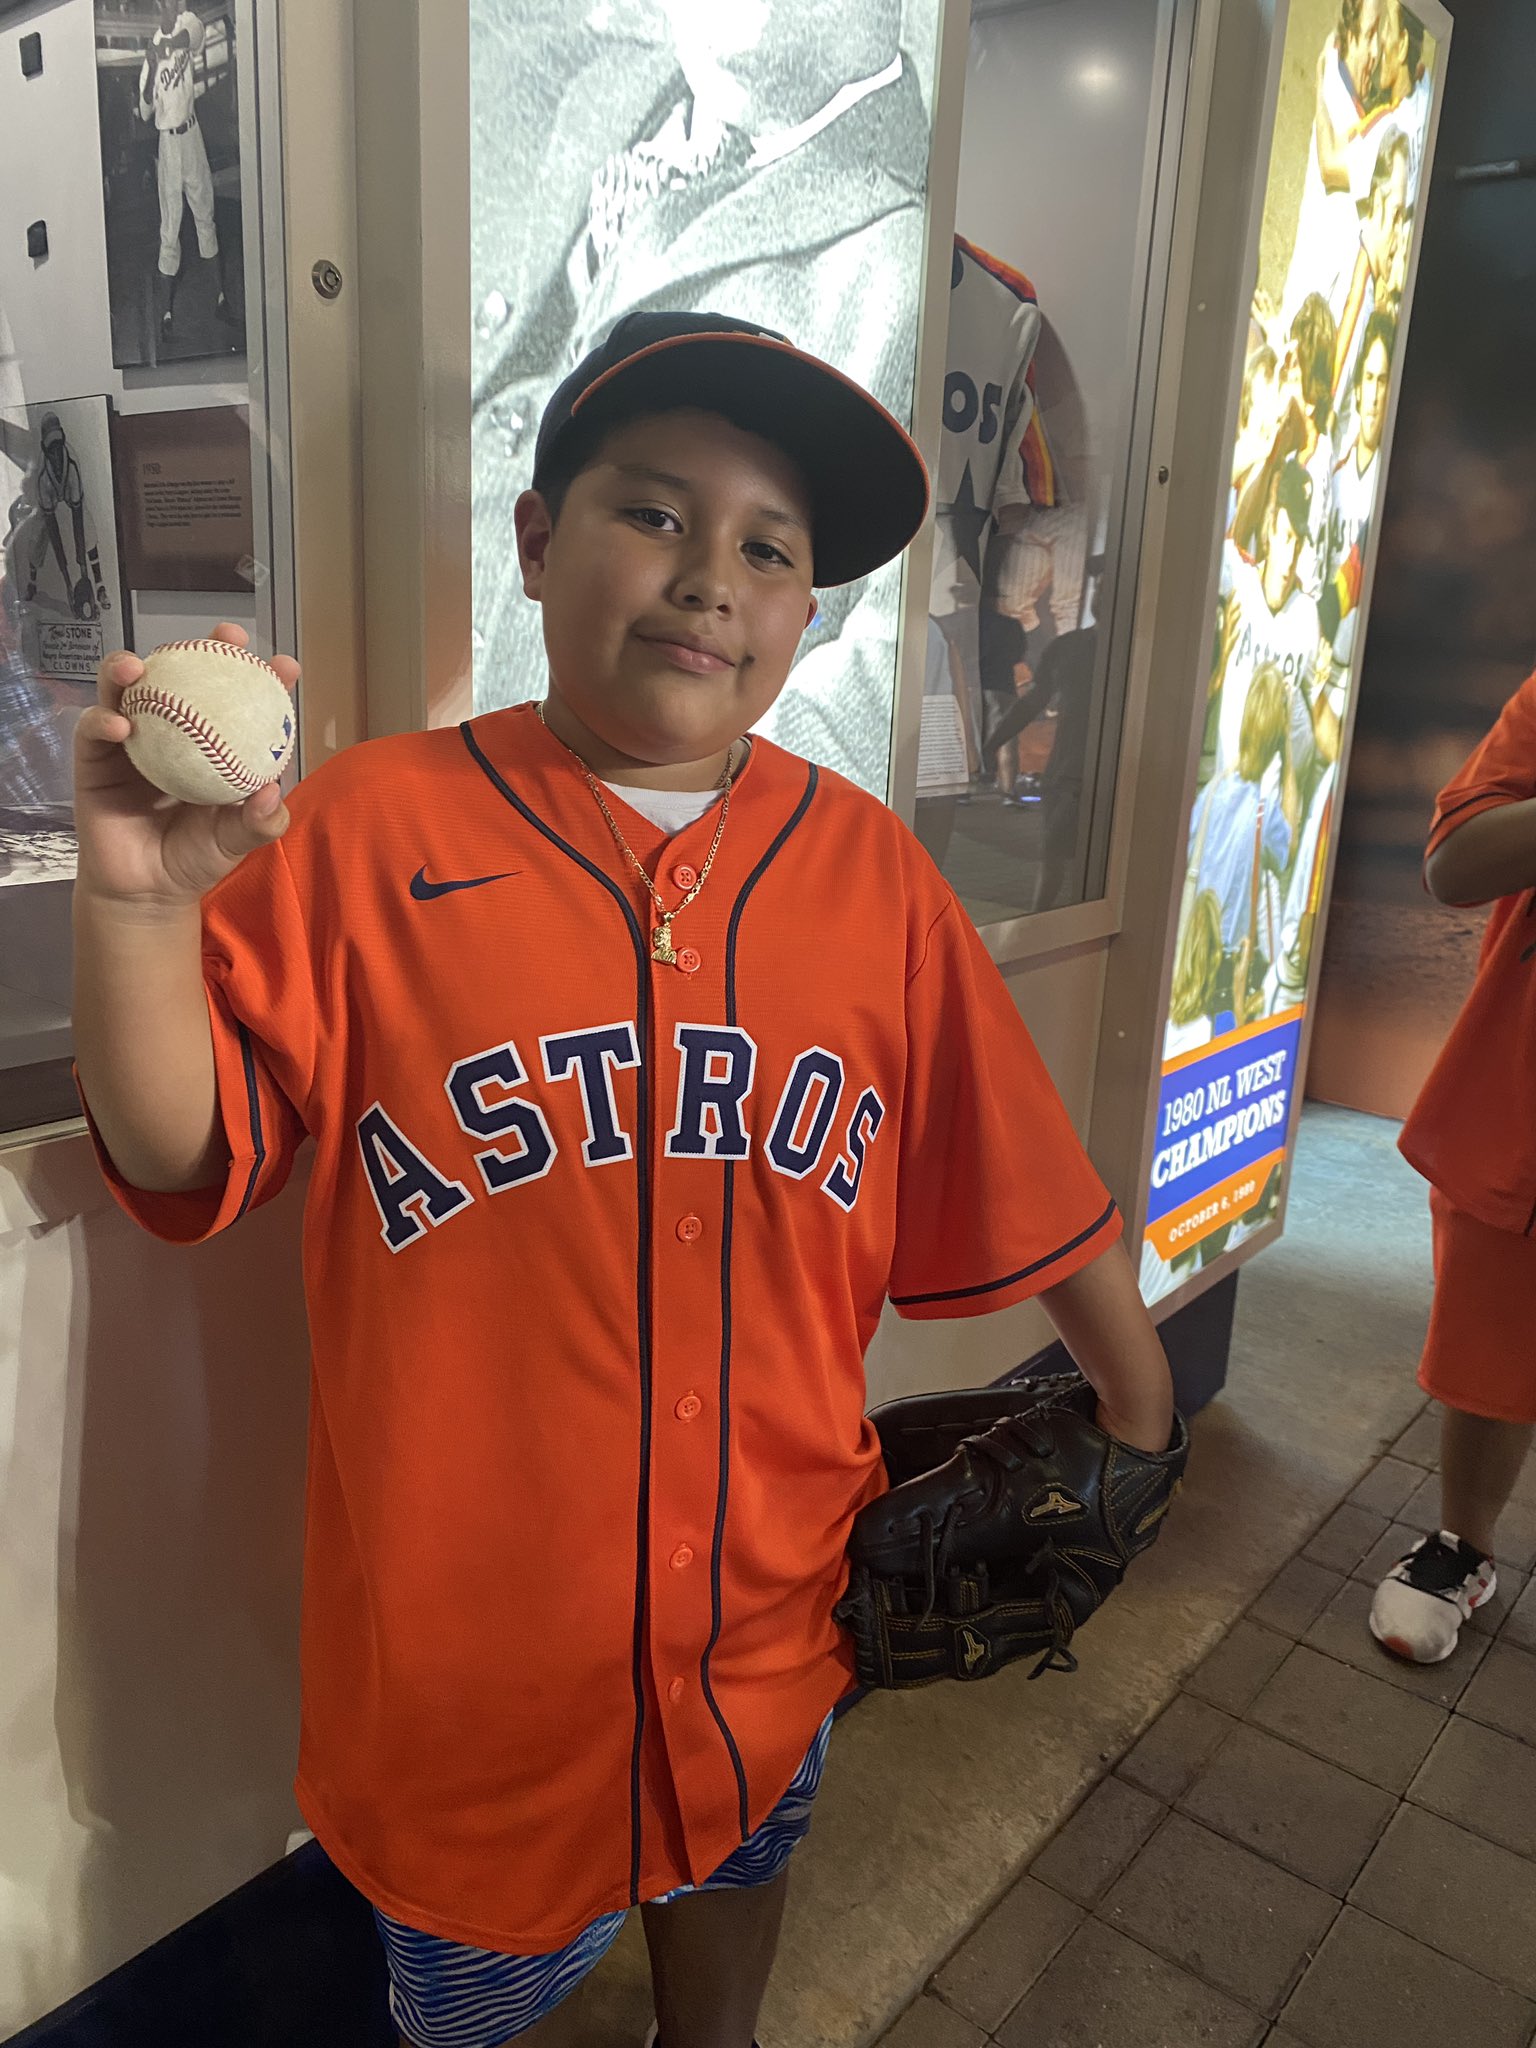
142	852
1008	1544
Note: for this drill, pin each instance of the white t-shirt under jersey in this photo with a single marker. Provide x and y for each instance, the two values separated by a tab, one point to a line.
669	810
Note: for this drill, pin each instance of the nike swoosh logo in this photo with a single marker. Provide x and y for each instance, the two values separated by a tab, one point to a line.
426	892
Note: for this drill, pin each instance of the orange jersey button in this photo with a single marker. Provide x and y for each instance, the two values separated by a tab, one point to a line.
676	1690
689	1229
682	1557
688	961
689	1408
684	876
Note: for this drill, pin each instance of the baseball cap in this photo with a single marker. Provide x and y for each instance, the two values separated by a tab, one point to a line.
868	483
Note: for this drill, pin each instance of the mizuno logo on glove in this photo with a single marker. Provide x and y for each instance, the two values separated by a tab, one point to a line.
1055	1505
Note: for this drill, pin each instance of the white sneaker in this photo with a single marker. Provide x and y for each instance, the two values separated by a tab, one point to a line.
1421	1603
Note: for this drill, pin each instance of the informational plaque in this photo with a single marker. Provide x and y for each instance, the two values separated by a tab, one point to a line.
184	483
942	761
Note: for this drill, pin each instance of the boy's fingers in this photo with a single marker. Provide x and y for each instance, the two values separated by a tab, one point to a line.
287	668
102	726
114	676
241	828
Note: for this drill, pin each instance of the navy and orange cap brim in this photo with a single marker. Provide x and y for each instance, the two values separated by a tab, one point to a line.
868	483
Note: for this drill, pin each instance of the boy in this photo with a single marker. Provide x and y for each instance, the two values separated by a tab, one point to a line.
1472	1134
643	1062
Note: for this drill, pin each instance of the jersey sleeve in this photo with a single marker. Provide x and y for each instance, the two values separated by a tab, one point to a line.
261	1011
1501	771
996	1199
192	24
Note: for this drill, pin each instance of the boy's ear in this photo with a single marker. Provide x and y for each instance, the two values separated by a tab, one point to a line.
535	529
811	611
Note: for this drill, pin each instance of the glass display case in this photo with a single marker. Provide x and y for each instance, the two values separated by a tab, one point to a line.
1069	137
143	418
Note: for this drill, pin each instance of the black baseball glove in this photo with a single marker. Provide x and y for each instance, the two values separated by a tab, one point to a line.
1011	1517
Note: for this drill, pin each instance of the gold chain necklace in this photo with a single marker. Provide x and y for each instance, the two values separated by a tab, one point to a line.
662	951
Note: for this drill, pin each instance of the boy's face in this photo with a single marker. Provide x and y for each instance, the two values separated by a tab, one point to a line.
675	586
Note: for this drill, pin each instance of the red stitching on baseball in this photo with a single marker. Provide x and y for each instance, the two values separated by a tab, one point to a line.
202	735
214	647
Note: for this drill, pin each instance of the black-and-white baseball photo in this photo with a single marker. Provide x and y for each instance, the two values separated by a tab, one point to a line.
170	150
60	537
766	159
61	608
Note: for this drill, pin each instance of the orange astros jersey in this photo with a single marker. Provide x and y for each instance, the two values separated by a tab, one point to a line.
1472	1131
594	1248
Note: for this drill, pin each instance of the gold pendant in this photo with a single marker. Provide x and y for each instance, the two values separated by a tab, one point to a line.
661	944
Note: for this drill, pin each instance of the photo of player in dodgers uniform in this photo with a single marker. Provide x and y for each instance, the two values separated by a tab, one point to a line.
168	97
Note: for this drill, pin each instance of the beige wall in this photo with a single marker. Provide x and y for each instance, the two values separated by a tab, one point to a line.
152	1409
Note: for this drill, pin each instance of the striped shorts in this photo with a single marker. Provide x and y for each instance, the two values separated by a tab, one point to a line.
444	1994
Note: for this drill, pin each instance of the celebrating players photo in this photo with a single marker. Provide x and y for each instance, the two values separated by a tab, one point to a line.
1305	489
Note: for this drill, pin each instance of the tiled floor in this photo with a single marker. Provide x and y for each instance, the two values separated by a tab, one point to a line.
1314	1846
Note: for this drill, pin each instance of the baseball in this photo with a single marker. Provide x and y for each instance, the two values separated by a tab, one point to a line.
211	722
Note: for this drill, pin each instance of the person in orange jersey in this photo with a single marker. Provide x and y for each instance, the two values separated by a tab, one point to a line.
1472	1134
644	1062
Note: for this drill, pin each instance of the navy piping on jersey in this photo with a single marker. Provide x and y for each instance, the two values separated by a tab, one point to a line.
1008	1279
1479	796
727	1215
642	1278
253	1111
